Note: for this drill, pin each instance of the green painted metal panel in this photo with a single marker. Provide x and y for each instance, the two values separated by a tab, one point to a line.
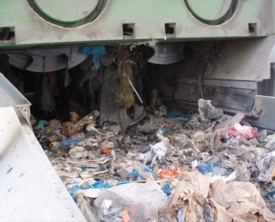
209	10
148	17
66	10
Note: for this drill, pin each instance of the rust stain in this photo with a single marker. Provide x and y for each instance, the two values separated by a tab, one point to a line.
86	12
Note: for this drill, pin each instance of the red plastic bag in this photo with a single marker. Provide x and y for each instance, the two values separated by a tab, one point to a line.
246	131
170	173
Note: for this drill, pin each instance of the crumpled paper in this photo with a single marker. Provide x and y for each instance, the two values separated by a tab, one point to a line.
196	198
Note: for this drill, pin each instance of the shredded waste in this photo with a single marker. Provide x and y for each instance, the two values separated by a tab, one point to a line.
168	166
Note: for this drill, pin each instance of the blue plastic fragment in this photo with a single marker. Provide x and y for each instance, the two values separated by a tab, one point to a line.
123	182
218	171
96	51
134	174
84	167
270	193
166	189
176	113
41	124
163	109
167	132
46	147
145	168
206	168
73	189
174	82
71	142
98	184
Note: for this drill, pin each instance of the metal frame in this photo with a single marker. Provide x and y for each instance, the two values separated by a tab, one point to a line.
149	19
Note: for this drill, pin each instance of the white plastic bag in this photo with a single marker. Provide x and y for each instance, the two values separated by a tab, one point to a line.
142	201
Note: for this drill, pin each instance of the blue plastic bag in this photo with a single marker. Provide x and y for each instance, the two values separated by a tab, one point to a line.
145	168
123	182
96	51
206	168
209	168
134	174
270	193
176	113
98	184
166	189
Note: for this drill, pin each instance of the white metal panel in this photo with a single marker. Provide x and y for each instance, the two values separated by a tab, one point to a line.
30	188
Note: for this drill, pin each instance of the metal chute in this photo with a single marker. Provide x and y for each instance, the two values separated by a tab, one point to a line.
47	60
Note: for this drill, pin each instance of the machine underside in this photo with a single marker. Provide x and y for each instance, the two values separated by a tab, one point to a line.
191	53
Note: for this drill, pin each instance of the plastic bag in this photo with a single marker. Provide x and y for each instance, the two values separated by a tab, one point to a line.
209	168
142	201
110	206
44	95
85	207
151	125
166	189
170	173
125	216
160	148
266	165
246	131
207	213
207	111
270	140
96	51
96	185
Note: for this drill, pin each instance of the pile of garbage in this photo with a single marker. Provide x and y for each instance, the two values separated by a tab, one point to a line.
169	166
